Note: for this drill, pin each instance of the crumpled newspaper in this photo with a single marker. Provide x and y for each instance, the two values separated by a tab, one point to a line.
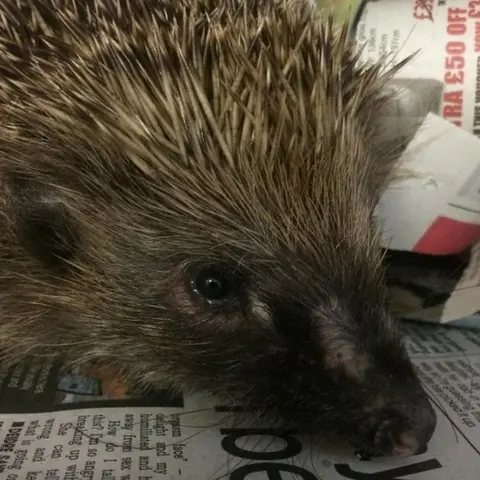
431	220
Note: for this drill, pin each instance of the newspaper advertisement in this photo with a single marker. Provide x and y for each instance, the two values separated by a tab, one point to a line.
435	211
57	424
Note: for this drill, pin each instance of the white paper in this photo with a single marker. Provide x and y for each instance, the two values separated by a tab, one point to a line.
440	88
436	209
444	162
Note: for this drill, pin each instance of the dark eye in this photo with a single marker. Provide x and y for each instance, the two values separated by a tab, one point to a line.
213	284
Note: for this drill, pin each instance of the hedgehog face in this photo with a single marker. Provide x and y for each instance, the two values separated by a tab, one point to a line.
311	350
201	179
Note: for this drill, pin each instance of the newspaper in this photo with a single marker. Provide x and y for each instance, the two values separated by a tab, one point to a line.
442	86
60	424
433	215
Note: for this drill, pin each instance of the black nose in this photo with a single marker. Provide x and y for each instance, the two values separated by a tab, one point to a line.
407	430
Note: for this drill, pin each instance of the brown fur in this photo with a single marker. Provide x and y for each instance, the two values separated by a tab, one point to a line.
142	140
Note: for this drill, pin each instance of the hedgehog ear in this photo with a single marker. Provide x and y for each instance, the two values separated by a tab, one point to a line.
41	221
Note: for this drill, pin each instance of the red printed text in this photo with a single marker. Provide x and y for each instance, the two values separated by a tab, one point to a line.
423	9
455	64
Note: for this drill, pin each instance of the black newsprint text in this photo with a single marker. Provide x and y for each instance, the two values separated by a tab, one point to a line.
270	462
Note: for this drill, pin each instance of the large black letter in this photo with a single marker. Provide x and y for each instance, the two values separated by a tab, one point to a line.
392	474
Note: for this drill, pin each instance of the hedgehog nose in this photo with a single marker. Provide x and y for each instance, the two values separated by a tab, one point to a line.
408	430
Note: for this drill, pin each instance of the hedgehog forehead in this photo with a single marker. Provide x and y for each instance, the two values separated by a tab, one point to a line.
268	219
279	237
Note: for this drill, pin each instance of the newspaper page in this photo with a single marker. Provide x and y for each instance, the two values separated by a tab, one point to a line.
440	204
57	424
436	210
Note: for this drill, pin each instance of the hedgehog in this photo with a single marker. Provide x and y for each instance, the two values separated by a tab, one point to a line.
188	192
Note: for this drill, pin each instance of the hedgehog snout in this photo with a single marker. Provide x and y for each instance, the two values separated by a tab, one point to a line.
407	429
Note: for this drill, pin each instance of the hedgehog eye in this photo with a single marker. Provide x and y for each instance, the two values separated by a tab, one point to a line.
212	284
